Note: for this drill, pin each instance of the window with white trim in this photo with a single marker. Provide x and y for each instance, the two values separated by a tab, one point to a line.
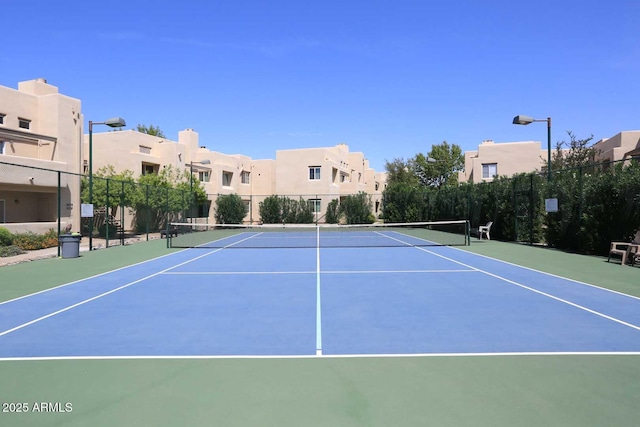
227	177
315	205
245	177
314	172
204	176
489	170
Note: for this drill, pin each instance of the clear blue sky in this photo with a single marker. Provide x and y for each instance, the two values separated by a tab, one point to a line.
389	78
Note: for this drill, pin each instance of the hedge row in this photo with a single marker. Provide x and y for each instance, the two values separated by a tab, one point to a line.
596	205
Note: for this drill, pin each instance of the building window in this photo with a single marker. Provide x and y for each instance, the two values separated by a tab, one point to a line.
204	176
24	123
1	119
2	143
145	150
315	205
377	186
489	170
226	178
203	209
245	177
344	177
148	169
314	172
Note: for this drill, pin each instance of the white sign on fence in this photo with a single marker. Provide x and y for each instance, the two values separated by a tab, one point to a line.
86	210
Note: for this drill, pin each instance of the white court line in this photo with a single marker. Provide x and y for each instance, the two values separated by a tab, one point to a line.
8	331
318	305
550	274
91	277
233	273
581	307
105	273
395	271
326	356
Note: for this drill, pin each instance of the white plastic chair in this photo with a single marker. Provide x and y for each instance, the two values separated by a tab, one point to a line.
485	229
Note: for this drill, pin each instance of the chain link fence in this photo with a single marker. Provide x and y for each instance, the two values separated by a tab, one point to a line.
312	208
596	204
38	200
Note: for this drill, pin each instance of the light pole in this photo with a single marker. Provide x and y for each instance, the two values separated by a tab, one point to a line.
115	122
202	162
525	120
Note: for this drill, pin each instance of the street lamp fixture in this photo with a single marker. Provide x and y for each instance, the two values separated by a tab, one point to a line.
201	162
525	120
115	122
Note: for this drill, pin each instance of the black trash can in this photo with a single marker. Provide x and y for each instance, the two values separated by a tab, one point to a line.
70	244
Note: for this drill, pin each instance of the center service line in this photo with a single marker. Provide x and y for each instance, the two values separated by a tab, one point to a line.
318	306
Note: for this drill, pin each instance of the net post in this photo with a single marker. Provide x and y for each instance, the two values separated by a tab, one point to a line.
59	210
467	232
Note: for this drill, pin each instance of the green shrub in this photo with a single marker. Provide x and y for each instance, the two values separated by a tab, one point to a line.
275	210
356	209
332	216
6	251
6	238
230	209
30	241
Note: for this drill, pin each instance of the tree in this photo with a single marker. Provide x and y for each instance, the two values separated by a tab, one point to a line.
164	197
356	209
443	171
110	191
275	210
151	130
573	154
403	202
400	170
230	209
333	215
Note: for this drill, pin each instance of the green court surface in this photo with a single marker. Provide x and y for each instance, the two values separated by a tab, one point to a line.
461	390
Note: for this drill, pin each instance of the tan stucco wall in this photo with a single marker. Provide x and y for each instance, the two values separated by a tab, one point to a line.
510	157
617	146
51	142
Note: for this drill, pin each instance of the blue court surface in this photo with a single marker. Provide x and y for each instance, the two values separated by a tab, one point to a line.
313	302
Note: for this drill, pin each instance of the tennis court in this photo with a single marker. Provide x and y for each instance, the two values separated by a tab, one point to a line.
387	311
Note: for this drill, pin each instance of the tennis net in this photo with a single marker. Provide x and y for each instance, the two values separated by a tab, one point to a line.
439	233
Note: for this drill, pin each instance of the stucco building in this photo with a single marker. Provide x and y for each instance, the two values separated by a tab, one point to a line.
501	159
509	158
318	175
621	146
40	131
44	147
